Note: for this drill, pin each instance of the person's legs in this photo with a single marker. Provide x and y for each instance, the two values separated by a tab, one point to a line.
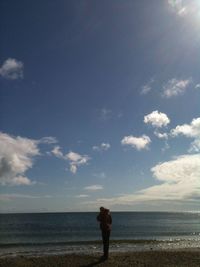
104	241
105	237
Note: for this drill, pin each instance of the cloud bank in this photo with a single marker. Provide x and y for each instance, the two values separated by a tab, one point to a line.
178	179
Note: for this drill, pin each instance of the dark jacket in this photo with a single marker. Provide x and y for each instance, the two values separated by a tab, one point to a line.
105	220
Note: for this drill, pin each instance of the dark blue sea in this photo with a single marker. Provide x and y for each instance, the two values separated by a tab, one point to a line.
54	233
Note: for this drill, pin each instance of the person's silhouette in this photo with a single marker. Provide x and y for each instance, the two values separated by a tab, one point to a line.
105	220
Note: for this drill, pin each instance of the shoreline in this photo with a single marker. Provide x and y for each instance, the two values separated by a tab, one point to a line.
91	242
170	258
95	247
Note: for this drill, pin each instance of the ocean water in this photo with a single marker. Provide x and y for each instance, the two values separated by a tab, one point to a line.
54	233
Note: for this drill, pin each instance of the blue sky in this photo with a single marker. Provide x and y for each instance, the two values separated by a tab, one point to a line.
99	104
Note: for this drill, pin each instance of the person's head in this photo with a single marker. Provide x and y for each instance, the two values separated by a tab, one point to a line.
101	209
106	211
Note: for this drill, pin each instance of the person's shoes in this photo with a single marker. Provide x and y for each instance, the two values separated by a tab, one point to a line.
104	258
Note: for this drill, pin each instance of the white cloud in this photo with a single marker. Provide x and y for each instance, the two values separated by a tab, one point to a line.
179	180
191	130
147	87
161	135
197	86
16	157
82	196
73	168
93	187
75	159
101	147
72	156
136	142
21	180
175	87
57	152
175	170
157	119
105	146
12	69
180	177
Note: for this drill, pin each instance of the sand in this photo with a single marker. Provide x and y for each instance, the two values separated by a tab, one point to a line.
178	258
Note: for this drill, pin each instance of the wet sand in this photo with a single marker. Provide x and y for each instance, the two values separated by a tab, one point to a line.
178	258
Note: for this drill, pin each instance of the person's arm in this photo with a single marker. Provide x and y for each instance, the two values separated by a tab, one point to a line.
110	219
109	222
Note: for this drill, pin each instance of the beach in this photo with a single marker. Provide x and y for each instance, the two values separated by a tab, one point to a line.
74	239
189	257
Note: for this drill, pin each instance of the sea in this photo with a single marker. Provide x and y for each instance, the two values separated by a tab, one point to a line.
78	232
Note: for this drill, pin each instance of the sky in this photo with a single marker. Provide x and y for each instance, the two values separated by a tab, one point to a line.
99	105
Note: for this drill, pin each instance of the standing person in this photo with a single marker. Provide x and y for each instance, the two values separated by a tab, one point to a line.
105	220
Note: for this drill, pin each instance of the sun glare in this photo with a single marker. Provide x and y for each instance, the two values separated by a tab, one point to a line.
186	8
